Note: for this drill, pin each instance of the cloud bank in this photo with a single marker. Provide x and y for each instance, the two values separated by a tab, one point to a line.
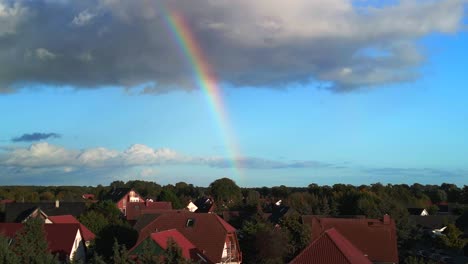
47	156
35	137
343	45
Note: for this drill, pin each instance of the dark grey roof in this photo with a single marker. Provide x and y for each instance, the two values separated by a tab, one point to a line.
116	194
415	210
17	212
204	204
144	220
433	221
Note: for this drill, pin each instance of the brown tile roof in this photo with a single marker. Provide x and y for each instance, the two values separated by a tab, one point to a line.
161	238
206	231
331	248
135	210
374	237
60	237
69	219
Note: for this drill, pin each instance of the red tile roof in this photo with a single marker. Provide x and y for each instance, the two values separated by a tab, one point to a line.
88	196
159	205
374	237
208	232
185	245
10	229
135	210
70	219
60	237
331	248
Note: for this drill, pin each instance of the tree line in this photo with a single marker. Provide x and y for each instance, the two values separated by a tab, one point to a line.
260	238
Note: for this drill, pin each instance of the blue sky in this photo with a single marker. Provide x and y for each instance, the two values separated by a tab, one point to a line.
386	104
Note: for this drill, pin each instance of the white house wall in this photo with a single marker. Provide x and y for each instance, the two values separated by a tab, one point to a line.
78	250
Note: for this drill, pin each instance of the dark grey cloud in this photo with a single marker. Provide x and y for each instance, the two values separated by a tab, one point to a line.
416	172
35	137
259	163
92	44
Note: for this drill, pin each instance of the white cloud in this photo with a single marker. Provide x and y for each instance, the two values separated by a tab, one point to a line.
39	155
44	54
262	43
10	16
44	155
86	57
83	18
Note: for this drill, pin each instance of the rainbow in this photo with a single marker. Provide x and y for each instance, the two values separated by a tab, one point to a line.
206	80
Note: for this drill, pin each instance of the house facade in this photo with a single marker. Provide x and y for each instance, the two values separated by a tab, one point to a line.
122	197
376	238
64	240
211	235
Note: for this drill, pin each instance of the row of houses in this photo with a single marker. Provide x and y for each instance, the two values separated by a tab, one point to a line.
202	235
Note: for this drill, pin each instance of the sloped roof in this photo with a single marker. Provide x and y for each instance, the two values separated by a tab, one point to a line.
205	205
88	196
10	229
60	237
69	219
135	210
415	210
144	220
208	232
185	245
331	248
374	237
433	221
116	194
17	212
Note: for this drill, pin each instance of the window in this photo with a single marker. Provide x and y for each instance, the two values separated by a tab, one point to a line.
190	222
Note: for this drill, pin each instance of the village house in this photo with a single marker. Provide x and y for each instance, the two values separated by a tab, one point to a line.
87	235
20	212
122	197
417	211
331	248
158	243
375	238
135	210
64	240
209	233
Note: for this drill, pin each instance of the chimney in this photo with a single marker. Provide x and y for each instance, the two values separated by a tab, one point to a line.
57	203
386	219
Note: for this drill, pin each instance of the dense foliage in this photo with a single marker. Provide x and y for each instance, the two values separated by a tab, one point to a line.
262	240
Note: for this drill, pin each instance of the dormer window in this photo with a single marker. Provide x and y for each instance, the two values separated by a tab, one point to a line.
190	222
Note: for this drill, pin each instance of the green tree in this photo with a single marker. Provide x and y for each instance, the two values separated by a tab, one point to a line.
96	259
94	220
169	196
46	196
281	192
31	245
120	254
452	238
173	253
298	234
147	256
416	260
261	242
433	209
7	256
125	235
225	191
